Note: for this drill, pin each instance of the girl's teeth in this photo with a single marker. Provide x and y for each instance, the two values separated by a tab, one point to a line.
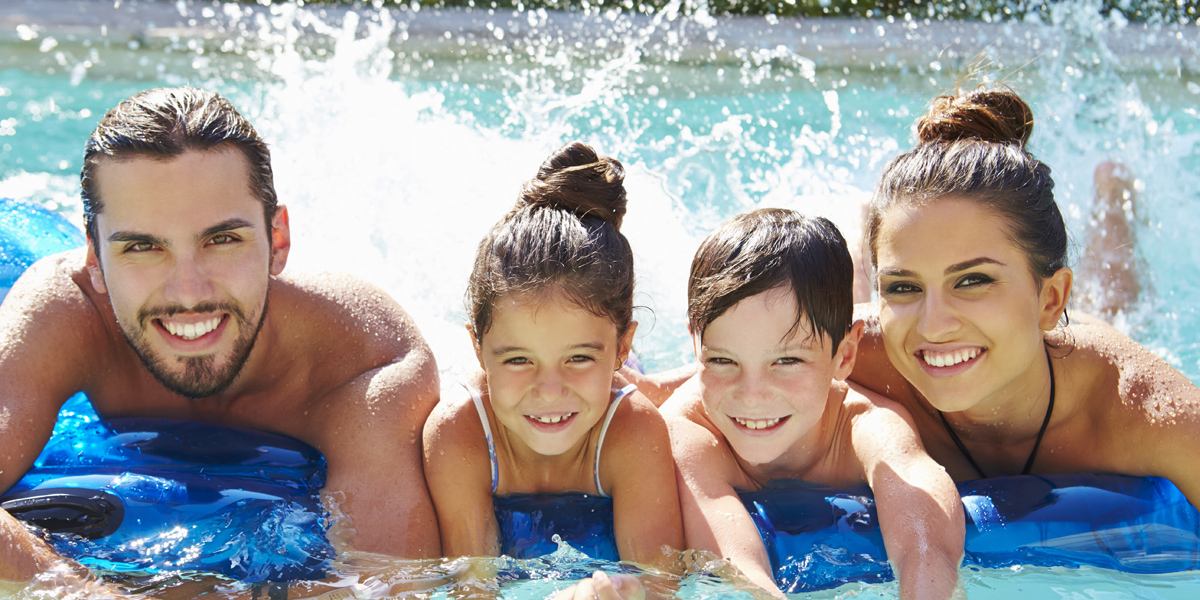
949	359
551	420
758	423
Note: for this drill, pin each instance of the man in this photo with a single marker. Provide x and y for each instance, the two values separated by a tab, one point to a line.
177	308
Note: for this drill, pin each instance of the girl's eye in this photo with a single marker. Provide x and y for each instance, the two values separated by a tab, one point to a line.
719	360
517	360
580	358
900	288
972	280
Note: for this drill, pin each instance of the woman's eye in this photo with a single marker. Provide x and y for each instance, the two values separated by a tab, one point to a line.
900	288
974	279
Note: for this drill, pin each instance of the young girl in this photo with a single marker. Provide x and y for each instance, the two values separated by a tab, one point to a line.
550	302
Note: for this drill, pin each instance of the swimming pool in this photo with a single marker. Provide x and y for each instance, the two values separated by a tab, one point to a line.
399	137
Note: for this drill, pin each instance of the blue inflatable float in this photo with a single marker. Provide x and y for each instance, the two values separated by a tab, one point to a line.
154	494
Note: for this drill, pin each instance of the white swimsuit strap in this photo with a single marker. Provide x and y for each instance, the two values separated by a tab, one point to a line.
612	410
487	432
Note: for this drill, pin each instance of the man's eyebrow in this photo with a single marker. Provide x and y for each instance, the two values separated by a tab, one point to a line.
227	225
133	236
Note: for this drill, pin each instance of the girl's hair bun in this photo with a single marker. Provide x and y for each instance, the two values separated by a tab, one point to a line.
987	113
576	179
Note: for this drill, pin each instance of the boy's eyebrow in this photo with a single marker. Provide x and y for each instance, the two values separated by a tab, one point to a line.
597	346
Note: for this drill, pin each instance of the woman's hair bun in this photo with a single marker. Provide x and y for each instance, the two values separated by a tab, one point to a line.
987	113
576	179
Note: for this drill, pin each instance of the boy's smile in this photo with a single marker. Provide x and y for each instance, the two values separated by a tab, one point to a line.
765	386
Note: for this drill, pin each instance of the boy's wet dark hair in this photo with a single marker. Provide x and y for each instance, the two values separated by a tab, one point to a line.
563	237
163	123
773	248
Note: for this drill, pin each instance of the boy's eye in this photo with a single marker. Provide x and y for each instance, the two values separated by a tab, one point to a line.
900	288
972	280
719	360
789	360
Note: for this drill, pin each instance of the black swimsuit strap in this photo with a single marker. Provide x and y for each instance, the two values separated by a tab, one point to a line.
1036	443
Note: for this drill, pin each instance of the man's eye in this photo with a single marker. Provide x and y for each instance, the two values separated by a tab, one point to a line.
223	238
139	247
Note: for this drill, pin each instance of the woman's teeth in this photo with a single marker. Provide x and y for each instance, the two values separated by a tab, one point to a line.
758	423
551	420
949	359
191	331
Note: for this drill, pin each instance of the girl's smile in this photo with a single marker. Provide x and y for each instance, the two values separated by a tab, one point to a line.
549	369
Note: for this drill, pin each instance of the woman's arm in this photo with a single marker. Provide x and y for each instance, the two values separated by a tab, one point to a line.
920	512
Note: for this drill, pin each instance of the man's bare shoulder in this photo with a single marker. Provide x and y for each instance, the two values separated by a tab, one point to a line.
55	294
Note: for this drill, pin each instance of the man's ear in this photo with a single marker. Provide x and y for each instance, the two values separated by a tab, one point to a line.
847	352
1056	290
281	239
92	263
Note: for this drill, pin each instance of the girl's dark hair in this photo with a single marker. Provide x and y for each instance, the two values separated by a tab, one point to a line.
971	145
562	235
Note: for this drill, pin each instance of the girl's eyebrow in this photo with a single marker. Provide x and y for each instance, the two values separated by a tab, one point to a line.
597	346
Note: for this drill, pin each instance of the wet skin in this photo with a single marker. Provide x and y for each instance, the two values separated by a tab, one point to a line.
161	322
964	327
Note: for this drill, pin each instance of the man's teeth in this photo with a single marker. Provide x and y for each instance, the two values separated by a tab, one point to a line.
758	423
551	420
191	331
949	359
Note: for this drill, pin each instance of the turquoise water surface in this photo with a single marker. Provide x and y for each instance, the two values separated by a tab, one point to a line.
400	136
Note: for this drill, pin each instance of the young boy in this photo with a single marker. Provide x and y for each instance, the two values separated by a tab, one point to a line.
769	310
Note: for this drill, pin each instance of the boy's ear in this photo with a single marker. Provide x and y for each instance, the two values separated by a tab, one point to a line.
847	352
475	344
92	262
625	344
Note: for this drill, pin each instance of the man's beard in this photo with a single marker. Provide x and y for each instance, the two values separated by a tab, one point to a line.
200	378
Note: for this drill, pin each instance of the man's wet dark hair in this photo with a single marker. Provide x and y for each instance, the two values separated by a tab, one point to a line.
164	123
563	237
770	249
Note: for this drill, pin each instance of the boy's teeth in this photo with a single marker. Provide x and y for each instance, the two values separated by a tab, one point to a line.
949	359
758	423
191	331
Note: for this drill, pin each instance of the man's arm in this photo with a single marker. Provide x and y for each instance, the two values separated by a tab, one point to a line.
370	434
920	513
48	329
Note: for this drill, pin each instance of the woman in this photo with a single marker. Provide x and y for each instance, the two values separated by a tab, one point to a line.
970	252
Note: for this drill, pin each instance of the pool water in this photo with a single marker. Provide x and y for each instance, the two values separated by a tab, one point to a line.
400	136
